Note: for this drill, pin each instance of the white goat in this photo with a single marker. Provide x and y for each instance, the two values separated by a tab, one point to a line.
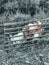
20	36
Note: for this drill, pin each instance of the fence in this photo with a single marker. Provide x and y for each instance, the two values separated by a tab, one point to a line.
13	28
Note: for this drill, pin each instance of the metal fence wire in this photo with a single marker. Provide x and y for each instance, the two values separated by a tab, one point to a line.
12	34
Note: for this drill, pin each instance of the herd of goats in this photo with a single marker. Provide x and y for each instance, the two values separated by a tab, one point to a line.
29	31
